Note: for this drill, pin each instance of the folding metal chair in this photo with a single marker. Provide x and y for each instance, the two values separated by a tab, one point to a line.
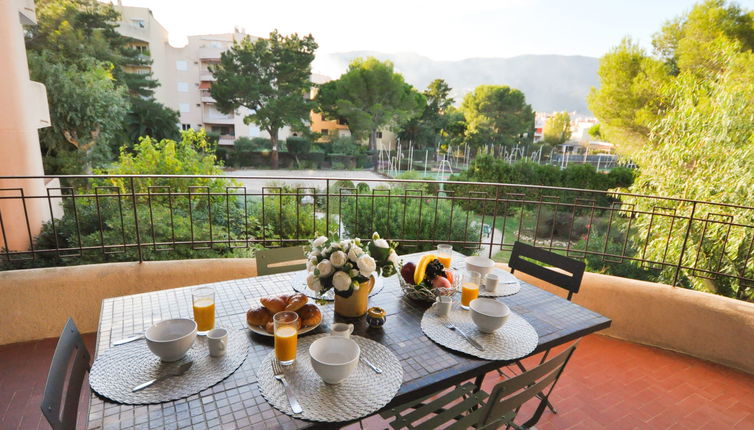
469	406
70	363
280	260
524	258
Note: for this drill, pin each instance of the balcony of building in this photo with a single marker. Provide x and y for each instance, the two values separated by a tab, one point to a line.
209	53
673	357
210	115
206	96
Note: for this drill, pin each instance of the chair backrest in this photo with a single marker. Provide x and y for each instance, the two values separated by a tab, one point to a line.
508	396
570	281
280	260
67	370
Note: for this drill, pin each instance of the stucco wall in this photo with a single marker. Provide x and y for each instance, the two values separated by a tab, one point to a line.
703	325
37	302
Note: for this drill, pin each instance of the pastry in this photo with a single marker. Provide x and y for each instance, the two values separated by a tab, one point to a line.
274	304
258	316
270	327
296	301
309	315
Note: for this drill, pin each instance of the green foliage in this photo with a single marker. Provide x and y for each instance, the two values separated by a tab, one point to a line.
298	146
595	132
270	77
153	119
558	129
103	217
86	113
496	114
369	96
408	216
425	130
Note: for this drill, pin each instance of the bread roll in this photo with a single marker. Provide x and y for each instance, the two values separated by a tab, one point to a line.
258	316
309	315
296	301
274	304
270	327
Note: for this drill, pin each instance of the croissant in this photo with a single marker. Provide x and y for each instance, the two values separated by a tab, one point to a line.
258	316
274	304
296	301
309	315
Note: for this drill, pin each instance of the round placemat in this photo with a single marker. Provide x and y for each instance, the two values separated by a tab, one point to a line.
515	339
506	286
363	393
299	286
116	371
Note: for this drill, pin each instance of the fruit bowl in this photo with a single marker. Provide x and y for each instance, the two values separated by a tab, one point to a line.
428	279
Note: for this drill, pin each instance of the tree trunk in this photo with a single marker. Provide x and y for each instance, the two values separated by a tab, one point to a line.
274	140
373	148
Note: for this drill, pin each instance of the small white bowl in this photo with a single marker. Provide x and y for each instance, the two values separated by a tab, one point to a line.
488	314
334	358
171	339
477	263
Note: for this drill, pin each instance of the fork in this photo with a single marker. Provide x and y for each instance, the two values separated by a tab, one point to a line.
277	371
473	343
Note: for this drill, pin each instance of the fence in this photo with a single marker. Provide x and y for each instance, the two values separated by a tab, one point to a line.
145	217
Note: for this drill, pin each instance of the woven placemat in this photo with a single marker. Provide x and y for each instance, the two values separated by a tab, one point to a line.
507	285
363	393
515	339
116	371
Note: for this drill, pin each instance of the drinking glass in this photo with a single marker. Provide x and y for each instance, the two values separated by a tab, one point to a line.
204	309
286	336
470	288
445	254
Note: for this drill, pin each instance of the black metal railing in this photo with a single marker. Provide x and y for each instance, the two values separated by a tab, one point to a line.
145	217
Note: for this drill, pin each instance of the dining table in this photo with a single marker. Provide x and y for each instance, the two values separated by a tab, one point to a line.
236	401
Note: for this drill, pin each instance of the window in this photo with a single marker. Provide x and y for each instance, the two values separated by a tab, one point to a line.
181	65
137	22
216	44
145	71
182	87
379	135
325	131
185	127
183	107
341	121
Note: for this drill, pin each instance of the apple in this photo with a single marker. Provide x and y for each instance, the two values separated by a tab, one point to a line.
440	282
407	271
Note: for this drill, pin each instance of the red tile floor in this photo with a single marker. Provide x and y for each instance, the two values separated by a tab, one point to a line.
608	384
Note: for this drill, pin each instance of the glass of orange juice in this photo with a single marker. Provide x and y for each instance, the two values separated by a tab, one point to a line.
469	288
286	336
444	254
204	309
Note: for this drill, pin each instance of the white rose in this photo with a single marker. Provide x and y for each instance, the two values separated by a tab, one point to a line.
319	241
341	281
366	265
315	254
325	268
313	283
309	266
338	259
381	243
354	253
393	258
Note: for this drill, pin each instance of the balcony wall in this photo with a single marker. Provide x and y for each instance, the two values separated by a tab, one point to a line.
707	326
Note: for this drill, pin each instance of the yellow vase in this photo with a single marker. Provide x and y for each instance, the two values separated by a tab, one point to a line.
356	305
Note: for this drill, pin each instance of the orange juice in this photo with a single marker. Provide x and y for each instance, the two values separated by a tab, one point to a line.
469	292
444	259
204	314
286	338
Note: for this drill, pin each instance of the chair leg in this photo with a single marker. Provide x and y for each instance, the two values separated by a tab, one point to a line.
540	396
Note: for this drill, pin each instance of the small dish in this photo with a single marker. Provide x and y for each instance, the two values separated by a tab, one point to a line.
171	339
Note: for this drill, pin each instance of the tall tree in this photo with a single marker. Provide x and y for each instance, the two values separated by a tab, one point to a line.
150	118
426	129
496	114
558	128
370	95
270	77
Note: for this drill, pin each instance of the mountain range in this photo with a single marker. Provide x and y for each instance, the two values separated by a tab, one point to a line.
550	82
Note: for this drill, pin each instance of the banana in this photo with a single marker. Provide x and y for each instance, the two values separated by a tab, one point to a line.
421	268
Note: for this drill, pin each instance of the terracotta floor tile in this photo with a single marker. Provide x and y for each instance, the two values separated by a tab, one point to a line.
609	384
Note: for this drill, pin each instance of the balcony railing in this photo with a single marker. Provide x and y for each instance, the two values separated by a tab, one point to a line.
151	217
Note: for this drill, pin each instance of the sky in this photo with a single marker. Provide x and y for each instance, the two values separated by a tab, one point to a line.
439	29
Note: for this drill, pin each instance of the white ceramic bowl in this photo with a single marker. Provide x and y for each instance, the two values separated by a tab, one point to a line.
334	358
488	314
171	339
477	263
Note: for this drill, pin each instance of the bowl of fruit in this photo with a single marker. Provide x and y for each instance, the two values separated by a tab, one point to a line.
427	279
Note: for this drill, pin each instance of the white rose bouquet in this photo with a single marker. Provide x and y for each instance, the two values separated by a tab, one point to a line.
345	264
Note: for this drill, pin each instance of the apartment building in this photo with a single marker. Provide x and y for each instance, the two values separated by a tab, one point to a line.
184	74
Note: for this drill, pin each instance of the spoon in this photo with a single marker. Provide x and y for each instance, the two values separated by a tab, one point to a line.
180	370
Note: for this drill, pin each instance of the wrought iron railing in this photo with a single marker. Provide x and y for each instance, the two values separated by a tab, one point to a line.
145	217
